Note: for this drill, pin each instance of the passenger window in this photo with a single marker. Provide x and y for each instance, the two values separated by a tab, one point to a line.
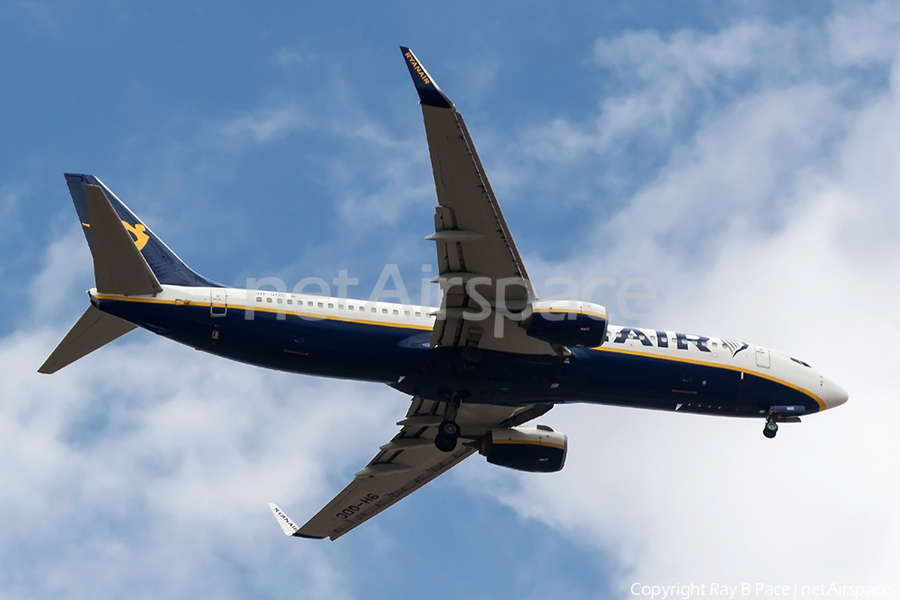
396	312
258	299
321	305
406	313
269	300
309	303
330	305
280	301
290	301
384	310
418	314
374	309
341	306
350	307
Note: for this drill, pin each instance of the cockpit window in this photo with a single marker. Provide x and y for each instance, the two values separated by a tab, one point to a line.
800	362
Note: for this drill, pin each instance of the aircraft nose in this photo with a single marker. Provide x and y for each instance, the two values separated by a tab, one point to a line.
835	395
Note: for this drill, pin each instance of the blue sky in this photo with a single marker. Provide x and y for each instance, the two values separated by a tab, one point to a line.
740	156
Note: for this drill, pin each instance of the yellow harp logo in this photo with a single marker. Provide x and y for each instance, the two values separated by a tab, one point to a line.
140	238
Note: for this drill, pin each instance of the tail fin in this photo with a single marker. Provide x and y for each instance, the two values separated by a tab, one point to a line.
119	267
128	259
165	264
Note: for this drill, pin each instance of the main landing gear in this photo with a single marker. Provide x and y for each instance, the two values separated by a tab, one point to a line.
771	428
448	431
447	436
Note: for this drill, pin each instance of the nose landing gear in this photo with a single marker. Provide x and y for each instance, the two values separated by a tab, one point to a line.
782	414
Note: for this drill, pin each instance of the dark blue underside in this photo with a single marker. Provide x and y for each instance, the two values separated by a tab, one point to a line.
385	354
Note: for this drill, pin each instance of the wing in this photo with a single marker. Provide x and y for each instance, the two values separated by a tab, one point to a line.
404	464
481	272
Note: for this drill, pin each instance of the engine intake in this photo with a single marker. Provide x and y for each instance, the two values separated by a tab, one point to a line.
567	323
533	449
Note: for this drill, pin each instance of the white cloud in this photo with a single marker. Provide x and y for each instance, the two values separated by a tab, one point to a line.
375	176
864	34
144	469
772	221
9	201
68	264
291	58
266	123
664	81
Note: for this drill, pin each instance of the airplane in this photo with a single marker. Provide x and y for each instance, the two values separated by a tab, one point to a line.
493	357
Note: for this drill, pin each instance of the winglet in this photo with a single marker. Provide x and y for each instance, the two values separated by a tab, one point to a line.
429	92
288	526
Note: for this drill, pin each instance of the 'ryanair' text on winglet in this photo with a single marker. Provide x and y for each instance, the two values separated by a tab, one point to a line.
288	526
429	92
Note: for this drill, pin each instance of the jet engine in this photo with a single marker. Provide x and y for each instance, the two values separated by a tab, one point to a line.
567	323
533	449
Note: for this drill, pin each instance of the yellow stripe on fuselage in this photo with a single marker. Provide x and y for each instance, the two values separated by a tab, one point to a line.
694	361
311	316
604	348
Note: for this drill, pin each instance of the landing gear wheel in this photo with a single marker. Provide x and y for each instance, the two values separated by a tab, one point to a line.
770	429
445	443
449	429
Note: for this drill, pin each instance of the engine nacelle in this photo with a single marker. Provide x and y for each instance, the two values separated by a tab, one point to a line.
533	449
567	323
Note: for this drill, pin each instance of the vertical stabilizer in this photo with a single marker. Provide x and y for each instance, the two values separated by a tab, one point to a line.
165	264
119	267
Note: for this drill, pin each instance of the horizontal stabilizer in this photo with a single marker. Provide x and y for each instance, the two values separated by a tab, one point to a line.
119	267
93	330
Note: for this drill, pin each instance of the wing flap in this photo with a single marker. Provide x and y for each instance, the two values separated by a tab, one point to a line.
467	202
366	496
475	249
481	270
406	463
